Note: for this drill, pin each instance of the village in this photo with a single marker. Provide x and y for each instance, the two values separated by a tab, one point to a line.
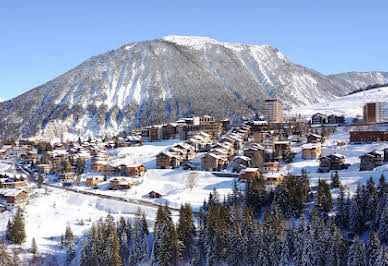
185	160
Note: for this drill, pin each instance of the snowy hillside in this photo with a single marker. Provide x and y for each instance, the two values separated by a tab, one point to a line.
350	106
152	82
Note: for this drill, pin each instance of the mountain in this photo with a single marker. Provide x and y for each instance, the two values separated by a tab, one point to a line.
350	106
161	80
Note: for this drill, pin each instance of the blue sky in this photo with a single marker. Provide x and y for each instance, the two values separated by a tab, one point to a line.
40	40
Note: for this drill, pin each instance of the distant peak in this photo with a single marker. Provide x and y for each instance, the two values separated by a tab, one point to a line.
196	41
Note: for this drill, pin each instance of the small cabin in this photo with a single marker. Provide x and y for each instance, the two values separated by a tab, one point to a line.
154	195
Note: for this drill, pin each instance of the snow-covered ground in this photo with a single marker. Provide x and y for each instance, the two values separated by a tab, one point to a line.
169	182
47	215
350	106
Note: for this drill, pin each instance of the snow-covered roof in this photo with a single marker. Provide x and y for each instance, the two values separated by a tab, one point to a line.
311	146
10	192
250	170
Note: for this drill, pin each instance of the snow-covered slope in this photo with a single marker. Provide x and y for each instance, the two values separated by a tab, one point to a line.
350	106
162	80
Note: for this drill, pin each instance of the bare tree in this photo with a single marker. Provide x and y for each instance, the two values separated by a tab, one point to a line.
192	180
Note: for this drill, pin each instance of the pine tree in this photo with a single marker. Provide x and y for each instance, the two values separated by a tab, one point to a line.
355	212
115	251
5	259
356	256
341	216
15	229
124	248
381	199
34	247
186	230
372	248
335	181
324	199
383	225
140	245
382	259
371	203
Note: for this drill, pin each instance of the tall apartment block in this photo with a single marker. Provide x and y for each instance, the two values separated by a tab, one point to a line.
374	112
273	110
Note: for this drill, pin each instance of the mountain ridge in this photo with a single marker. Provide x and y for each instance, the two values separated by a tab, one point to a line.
161	80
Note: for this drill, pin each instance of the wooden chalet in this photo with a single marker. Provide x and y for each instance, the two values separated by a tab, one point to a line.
92	181
311	151
119	183
11	198
371	160
154	195
313	138
249	173
271	167
332	162
256	153
213	162
167	159
133	170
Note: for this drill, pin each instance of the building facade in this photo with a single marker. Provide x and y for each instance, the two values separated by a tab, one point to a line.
374	112
273	110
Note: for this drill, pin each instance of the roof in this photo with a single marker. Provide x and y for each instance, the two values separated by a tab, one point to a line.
242	157
10	192
281	142
311	146
314	135
250	170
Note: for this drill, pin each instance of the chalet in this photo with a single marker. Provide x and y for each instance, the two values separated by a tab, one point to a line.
332	162
281	146
213	162
11	183
371	160
166	159
242	160
169	131
311	151
154	195
206	120
111	170
313	138
368	136
13	197
249	173
66	177
256	153
271	167
133	170
98	166
273	178
335	119
156	133
43	168
119	183
189	151
92	181
318	118
258	126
